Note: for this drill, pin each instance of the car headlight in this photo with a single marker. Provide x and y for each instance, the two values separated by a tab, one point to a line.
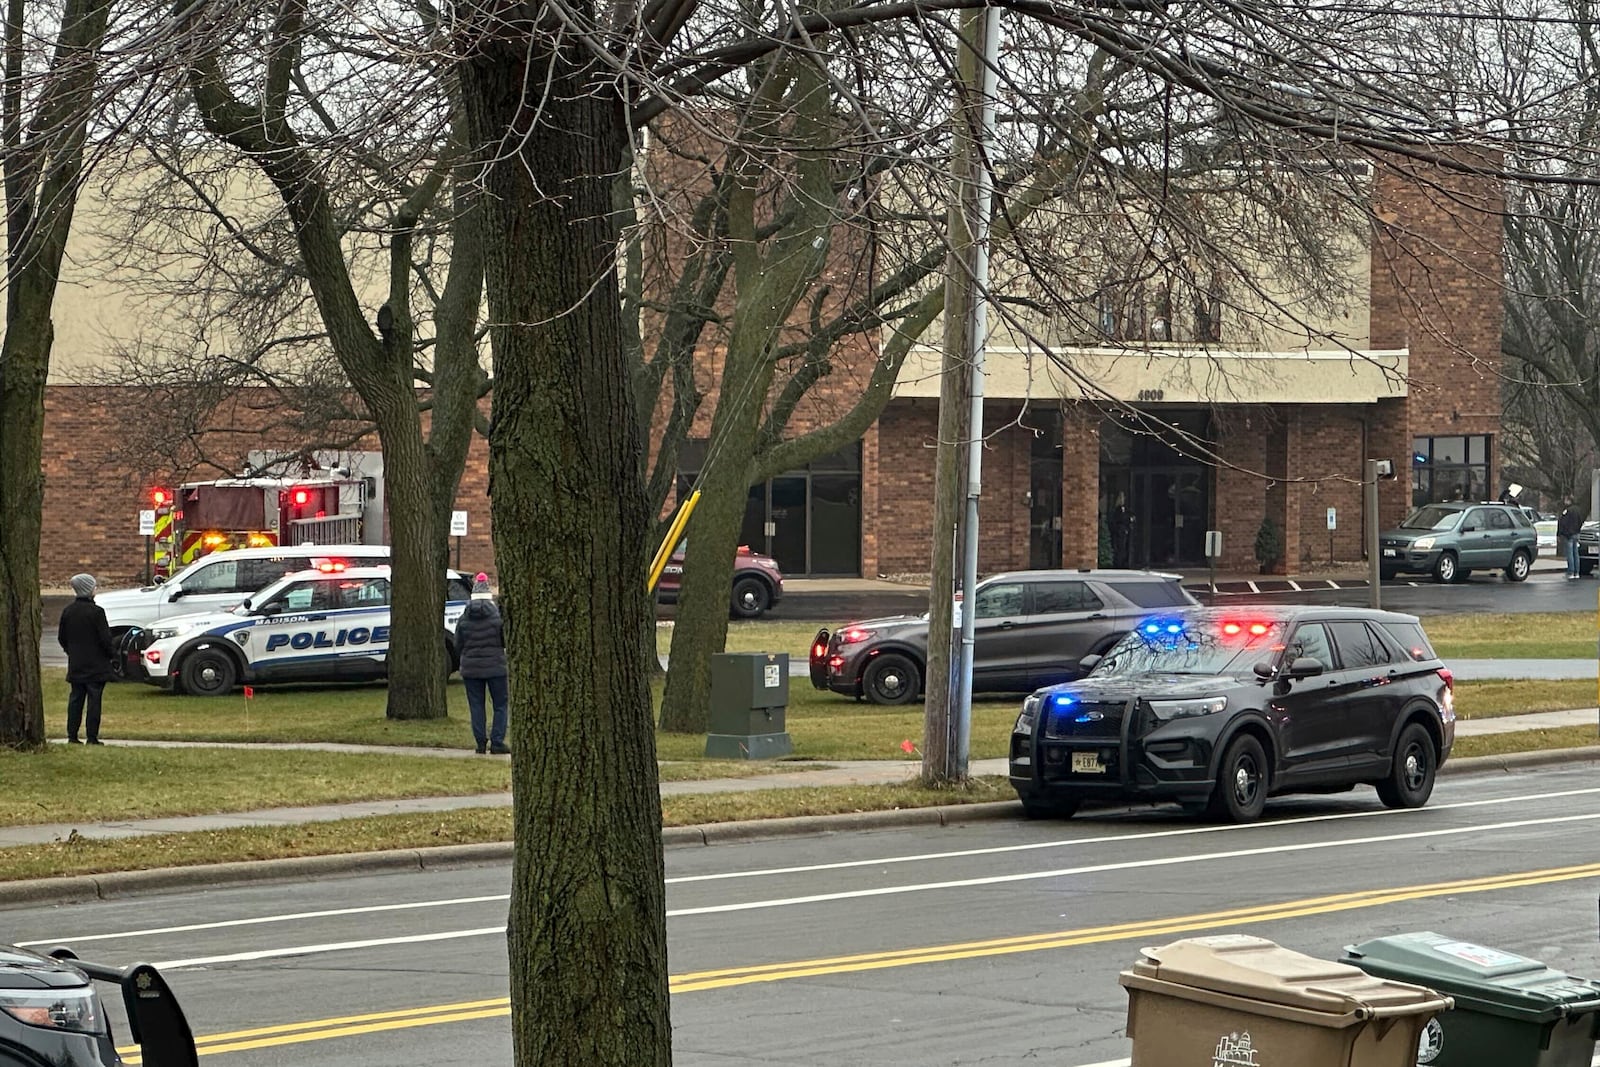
77	1009
165	633
769	564
1029	715
1167	710
1422	544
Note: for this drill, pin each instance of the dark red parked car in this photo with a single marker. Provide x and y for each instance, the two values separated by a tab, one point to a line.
757	582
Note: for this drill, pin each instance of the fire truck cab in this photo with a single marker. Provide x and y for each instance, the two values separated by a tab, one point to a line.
255	512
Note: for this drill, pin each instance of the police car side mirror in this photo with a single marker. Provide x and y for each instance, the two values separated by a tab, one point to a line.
175	594
1305	667
1264	670
1088	663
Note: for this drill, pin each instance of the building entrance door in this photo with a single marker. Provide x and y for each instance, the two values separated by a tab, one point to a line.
1155	500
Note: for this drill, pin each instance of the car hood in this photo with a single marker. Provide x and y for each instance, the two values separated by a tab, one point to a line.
20	969
1124	687
116	598
196	621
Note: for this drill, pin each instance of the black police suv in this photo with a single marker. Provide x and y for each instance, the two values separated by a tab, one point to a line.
1220	709
51	1015
1032	628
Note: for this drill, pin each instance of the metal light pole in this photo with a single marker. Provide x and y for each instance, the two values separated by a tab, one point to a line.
1376	468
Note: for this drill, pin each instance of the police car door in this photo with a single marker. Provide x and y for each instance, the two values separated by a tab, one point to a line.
358	627
281	645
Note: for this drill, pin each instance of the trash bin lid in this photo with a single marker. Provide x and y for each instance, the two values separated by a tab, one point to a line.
1254	967
1478	977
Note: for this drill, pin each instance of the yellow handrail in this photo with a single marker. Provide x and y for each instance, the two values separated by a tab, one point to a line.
674	532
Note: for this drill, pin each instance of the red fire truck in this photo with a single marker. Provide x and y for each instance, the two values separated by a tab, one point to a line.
256	512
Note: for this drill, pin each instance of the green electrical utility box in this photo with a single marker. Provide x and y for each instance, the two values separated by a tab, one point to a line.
749	692
1510	1011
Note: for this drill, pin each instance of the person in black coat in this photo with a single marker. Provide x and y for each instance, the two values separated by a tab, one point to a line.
86	639
481	651
1567	530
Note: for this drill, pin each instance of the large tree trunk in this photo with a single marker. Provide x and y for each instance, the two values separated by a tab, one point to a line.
419	554
587	927
24	363
42	168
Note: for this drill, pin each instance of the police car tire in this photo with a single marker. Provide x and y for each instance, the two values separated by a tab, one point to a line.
227	674
751	598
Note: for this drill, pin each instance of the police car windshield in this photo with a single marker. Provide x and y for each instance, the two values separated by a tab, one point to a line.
1204	646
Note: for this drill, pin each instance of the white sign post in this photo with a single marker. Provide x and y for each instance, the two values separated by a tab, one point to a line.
1333	524
147	530
458	530
1213	550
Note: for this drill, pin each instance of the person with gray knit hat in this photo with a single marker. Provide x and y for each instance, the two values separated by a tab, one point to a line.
86	639
481	652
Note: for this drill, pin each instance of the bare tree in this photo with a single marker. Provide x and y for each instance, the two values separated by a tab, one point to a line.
46	107
283	115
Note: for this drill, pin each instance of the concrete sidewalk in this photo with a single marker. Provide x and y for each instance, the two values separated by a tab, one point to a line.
863	772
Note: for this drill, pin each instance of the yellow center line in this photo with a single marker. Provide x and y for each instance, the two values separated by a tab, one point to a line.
697	981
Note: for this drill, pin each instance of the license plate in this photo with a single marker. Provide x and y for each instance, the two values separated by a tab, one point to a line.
1591	552
1087	763
1388	552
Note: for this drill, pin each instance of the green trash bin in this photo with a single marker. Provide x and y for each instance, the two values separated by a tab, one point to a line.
1510	1011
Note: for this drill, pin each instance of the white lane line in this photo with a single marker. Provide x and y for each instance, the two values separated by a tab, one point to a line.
1148	835
1127	865
332	946
885	861
884	891
295	916
1125	1062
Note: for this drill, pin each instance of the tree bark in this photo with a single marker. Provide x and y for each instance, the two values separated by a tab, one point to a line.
42	168
587	928
955	397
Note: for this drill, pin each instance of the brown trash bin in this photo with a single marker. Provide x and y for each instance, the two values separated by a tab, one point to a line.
1241	1001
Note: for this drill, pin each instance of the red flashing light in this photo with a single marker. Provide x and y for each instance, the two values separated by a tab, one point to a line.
853	635
301	498
818	649
1448	678
159	497
153	655
330	567
1255	629
836	662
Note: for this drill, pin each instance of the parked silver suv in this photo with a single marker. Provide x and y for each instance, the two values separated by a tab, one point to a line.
1451	540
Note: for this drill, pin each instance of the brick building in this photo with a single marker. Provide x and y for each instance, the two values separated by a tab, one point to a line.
1195	436
1181	438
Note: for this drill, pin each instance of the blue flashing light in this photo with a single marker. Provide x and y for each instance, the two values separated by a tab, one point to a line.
1152	628
1062	700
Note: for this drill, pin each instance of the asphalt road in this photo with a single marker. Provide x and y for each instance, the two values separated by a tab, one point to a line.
993	943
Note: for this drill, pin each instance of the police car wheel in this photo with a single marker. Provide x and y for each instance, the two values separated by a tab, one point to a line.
208	673
750	598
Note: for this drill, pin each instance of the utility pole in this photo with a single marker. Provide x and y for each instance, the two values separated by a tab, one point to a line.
1376	468
947	727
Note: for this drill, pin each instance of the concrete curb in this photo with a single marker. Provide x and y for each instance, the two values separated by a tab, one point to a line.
79	889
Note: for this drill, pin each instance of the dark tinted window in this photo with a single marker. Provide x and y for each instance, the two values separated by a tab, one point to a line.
360	593
1358	646
1155	594
1477	519
1311	639
1411	638
259	573
1058	598
1500	520
457	589
218	576
999	601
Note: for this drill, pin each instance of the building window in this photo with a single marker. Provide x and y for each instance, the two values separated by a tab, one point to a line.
1449	468
1161	325
1208	312
1106	310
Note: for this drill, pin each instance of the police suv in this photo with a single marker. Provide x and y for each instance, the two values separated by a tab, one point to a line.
324	625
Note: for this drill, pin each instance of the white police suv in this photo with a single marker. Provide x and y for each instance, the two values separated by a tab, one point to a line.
324	625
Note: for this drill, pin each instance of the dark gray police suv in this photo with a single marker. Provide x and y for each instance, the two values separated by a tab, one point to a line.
51	1016
1033	628
1219	709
